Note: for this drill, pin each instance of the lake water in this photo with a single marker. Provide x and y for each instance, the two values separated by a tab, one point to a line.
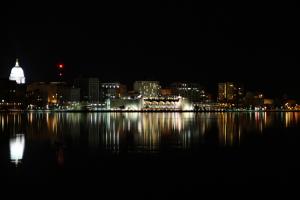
170	149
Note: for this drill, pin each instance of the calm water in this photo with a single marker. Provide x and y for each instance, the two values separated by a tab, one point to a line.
170	149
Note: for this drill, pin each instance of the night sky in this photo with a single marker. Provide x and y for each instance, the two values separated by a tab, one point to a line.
170	41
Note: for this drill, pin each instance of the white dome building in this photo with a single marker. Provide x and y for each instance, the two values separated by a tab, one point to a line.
17	74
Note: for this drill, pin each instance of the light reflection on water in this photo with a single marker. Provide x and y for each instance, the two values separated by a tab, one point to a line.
16	148
138	132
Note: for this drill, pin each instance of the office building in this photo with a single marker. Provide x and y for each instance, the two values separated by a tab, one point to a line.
147	88
112	90
230	92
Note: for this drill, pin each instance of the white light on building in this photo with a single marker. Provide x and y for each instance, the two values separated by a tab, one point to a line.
17	74
16	147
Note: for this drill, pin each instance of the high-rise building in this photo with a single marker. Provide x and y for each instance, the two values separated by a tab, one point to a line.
192	91
230	92
89	89
17	74
147	88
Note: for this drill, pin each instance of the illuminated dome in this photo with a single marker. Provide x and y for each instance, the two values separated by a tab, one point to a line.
17	74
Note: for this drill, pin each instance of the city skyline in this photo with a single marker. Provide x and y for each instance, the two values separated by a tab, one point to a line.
61	76
92	94
148	99
168	42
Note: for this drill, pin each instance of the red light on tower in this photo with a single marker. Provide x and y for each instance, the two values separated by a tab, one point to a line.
61	66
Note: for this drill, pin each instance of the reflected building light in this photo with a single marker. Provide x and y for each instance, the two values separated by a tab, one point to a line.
186	139
30	117
229	131
47	118
2	123
256	116
111	142
16	147
265	119
203	129
108	121
288	119
139	126
106	143
296	118
55	124
128	125
239	135
118	141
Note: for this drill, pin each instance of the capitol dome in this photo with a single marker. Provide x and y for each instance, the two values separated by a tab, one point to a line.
17	74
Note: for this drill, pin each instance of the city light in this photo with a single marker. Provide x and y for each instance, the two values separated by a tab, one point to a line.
16	146
91	94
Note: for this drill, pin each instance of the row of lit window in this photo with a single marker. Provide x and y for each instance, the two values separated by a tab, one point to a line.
110	86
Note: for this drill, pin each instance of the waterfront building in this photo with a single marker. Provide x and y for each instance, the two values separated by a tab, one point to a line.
162	103
112	90
124	103
147	88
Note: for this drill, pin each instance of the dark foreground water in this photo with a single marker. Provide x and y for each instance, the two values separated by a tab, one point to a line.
149	151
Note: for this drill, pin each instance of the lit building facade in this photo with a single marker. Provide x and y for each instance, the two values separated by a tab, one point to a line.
124	104
147	88
230	92
162	103
112	90
192	91
150	104
17	74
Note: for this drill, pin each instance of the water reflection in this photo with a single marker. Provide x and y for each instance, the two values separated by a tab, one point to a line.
290	119
136	132
16	147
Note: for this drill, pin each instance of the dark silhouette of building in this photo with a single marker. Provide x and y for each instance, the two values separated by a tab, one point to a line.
89	89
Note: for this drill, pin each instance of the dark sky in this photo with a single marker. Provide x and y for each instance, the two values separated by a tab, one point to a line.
257	45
